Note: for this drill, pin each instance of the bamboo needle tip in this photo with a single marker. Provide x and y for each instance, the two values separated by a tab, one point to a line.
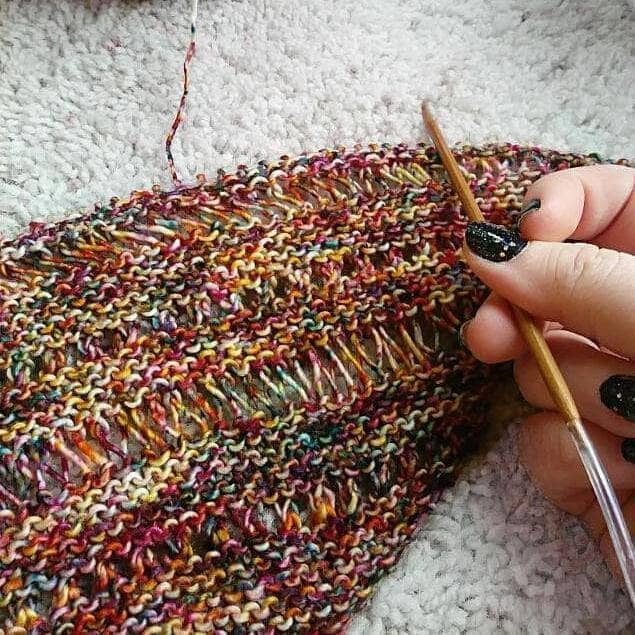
532	333
455	176
426	111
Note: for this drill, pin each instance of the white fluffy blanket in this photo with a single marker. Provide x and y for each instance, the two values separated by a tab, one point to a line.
87	93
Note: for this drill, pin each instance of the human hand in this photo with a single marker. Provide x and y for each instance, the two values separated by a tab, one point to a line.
585	295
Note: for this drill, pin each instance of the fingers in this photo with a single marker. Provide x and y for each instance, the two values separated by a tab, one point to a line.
586	370
494	316
552	461
594	204
492	335
594	521
591	203
588	290
548	453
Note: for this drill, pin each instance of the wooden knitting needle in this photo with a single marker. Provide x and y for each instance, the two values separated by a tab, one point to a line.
551	375
554	380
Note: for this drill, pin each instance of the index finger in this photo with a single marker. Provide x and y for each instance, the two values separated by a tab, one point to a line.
593	204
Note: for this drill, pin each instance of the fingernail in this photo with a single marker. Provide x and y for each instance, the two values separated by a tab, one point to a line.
528	208
628	450
618	394
493	242
462	332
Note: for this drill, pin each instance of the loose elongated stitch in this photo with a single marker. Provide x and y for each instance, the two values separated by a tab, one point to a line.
226	408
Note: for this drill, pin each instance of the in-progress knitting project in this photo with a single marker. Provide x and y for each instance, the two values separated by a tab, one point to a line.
225	408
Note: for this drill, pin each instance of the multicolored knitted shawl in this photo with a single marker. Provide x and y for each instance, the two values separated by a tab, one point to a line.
226	408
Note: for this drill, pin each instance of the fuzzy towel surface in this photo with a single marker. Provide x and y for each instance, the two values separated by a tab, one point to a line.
88	92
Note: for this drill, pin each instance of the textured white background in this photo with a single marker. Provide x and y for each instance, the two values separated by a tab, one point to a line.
88	90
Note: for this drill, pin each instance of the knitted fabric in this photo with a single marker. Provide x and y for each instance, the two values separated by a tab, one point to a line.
225	408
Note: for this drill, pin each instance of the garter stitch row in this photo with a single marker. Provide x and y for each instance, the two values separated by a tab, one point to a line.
225	408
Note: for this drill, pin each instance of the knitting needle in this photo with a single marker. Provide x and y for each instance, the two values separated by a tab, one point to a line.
553	379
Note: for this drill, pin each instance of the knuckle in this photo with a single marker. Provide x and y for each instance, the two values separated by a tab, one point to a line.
584	268
578	273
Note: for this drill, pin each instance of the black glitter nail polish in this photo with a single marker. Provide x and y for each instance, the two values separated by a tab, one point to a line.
493	242
528	208
618	394
628	450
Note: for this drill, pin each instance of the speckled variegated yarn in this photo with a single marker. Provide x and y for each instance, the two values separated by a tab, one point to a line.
226	408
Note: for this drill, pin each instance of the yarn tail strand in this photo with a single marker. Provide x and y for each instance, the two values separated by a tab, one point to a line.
178	118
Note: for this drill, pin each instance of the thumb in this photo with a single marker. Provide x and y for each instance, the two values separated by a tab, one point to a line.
588	290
